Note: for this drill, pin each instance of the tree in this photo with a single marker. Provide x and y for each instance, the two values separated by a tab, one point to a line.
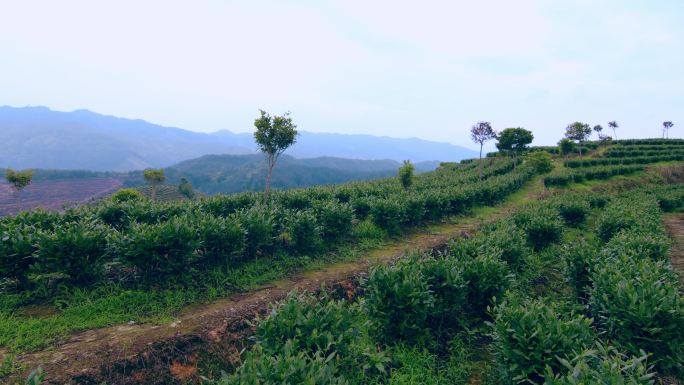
273	136
613	125
154	178
598	130
540	161
406	174
666	128
185	188
578	131
482	133
514	141
19	179
566	147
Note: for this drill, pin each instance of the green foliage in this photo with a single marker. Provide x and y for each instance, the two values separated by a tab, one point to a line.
531	336
638	212
399	301
154	177
573	209
222	240
602	365
19	179
638	244
77	249
259	224
159	251
580	258
638	305
578	131
488	277
542	225
126	195
366	230
387	214
335	219
514	140
540	162
273	136
302	232
185	188
289	367
405	174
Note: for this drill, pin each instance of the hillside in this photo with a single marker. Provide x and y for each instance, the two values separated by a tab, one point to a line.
37	137
214	174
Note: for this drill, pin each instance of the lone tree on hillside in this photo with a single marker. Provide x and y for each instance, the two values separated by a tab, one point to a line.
18	179
578	131
566	147
482	133
406	174
666	129
514	141
185	188
274	134
154	178
613	125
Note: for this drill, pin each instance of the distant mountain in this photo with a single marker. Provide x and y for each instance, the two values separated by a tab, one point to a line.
37	137
213	174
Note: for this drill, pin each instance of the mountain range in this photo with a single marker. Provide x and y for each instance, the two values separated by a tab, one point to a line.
37	137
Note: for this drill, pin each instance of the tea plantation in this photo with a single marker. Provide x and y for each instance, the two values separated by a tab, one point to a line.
572	288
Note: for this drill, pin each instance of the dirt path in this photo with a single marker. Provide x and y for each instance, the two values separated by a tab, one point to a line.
215	333
675	227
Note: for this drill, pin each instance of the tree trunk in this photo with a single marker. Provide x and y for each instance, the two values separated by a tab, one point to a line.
580	149
271	163
481	144
154	192
614	134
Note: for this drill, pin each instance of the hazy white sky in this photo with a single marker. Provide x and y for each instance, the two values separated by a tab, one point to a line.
427	69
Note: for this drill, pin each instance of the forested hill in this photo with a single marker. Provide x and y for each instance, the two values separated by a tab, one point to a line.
236	173
37	137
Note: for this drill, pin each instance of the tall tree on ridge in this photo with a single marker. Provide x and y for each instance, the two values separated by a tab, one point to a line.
273	135
482	133
613	124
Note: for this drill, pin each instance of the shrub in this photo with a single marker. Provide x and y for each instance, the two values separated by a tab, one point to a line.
580	259
387	214
159	251
76	249
638	305
302	232
335	219
507	240
17	248
531	336
126	195
313	325
639	212
222	239
449	289
399	301
259	224
573	210
638	244
488	277
602	365
289	367
368	230
405	174
542	225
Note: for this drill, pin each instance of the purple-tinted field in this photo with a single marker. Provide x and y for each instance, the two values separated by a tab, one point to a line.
55	194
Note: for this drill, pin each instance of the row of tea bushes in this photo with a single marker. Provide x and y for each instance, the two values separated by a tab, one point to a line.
424	302
628	152
622	161
565	177
164	242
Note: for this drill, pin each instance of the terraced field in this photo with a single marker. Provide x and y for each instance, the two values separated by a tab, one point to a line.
55	194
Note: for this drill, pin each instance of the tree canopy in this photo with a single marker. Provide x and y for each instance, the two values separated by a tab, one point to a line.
273	135
514	140
19	179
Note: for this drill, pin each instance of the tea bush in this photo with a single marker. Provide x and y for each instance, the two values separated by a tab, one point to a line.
531	336
638	212
222	240
580	258
76	249
574	210
334	219
259	224
126	194
487	277
638	244
602	365
542	225
159	251
399	301
637	304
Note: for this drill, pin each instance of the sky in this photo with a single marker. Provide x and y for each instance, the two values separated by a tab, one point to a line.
427	69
